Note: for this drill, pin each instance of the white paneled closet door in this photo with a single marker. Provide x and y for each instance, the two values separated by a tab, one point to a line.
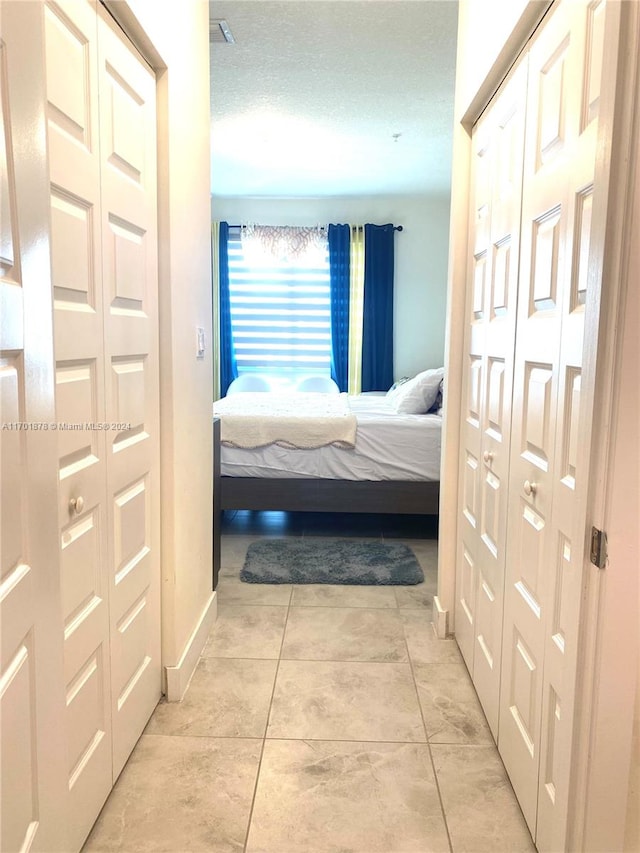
528	389
132	404
498	142
32	784
102	151
76	264
546	532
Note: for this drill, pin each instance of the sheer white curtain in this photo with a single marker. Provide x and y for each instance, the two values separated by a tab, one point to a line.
279	244
356	308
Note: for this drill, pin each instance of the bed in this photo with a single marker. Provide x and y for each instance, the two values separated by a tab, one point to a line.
392	465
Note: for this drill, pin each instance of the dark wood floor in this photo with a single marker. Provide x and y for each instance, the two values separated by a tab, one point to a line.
266	523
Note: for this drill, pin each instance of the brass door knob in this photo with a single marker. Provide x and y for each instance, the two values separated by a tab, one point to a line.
76	505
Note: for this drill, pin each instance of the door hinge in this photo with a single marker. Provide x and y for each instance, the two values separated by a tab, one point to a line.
598	547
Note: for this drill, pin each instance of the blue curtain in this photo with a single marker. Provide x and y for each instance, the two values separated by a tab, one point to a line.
377	332
339	272
228	367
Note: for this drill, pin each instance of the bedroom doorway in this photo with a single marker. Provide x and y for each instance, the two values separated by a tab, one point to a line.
256	179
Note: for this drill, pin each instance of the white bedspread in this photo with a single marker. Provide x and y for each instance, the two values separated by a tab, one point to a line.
302	420
388	447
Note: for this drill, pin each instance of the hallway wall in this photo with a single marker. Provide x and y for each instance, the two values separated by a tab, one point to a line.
180	34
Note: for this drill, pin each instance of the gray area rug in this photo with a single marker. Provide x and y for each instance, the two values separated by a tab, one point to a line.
339	561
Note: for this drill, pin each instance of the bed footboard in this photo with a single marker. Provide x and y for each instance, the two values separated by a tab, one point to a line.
384	496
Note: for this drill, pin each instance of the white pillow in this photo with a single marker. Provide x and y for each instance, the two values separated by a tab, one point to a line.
396	385
418	395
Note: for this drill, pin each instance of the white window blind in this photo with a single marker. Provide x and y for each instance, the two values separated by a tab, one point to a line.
280	315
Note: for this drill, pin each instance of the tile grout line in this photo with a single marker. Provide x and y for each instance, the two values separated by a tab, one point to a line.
426	732
433	767
327	660
194	735
266	727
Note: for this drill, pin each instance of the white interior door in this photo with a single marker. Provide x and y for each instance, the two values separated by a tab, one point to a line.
498	143
33	779
567	525
474	368
508	115
130	306
102	141
545	530
76	263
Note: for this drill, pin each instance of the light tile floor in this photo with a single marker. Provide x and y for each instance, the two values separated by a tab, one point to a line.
320	719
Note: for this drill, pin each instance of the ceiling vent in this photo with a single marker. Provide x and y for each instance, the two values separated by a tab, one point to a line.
219	32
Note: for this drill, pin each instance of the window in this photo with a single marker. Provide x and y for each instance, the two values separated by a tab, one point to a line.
280	315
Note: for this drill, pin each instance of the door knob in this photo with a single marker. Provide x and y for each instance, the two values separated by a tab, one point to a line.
530	488
487	456
76	505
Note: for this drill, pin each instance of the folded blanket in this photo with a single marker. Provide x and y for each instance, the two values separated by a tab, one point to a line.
300	420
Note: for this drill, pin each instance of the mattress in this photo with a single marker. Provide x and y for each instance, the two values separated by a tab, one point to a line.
388	446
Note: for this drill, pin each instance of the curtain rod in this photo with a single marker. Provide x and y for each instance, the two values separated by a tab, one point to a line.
395	227
358	227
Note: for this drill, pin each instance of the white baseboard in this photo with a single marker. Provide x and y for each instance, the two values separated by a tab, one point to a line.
440	619
177	677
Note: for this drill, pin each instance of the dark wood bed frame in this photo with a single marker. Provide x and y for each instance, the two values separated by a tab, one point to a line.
307	495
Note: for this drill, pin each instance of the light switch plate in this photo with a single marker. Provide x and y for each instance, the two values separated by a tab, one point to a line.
200	342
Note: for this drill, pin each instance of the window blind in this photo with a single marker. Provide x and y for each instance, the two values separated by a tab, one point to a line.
280	316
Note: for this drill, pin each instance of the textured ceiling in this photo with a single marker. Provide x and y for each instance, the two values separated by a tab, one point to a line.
308	99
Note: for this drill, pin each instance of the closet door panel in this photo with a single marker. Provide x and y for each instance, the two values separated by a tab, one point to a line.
542	258
128	221
76	252
492	298
32	760
508	115
545	546
563	591
472	391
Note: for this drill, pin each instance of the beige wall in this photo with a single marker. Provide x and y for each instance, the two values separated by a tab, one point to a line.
179	32
632	823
